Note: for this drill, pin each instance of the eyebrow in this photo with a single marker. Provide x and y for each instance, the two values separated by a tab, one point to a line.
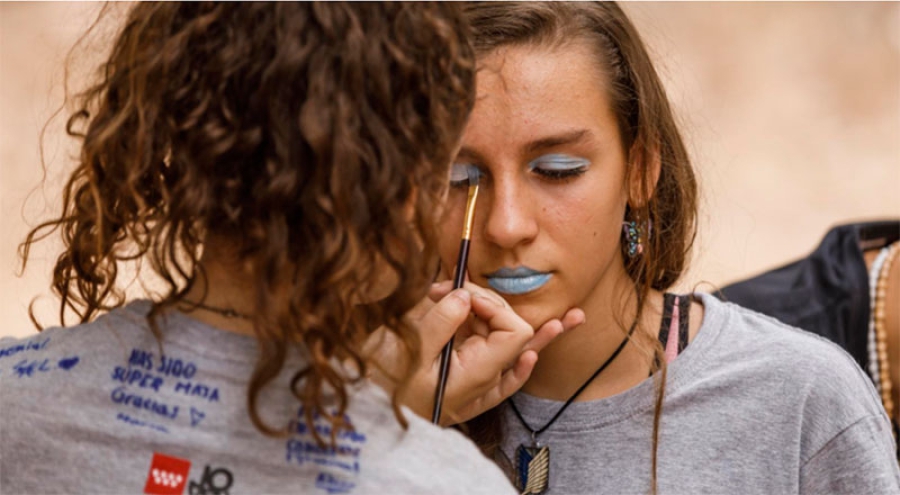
536	145
557	140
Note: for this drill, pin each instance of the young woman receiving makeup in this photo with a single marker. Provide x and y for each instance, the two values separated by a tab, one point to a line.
588	199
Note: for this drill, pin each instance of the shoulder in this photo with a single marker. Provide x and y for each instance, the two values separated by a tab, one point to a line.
804	377
423	458
749	336
48	357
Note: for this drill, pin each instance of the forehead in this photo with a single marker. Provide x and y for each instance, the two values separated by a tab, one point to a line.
532	62
528	92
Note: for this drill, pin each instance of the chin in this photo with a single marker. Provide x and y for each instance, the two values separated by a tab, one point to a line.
536	313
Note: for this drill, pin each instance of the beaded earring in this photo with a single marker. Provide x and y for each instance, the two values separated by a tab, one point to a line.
634	236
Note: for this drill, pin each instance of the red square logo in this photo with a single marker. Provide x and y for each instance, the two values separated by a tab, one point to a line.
167	476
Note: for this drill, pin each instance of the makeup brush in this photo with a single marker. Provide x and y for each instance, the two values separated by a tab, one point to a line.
459	279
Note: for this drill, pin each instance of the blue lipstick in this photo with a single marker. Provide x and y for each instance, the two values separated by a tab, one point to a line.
516	281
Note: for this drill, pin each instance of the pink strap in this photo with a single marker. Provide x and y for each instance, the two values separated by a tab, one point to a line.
672	342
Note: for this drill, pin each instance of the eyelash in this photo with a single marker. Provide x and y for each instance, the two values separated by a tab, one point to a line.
549	174
560	175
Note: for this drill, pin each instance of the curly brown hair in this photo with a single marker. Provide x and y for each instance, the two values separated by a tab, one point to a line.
649	135
297	131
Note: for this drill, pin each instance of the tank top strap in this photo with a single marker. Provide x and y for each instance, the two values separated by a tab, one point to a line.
673	330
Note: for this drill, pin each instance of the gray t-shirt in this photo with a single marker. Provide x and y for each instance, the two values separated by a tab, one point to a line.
99	409
752	406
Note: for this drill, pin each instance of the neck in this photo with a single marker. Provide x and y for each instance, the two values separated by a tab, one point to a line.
227	285
573	357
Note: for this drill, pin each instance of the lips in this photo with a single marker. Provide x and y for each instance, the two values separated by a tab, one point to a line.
517	281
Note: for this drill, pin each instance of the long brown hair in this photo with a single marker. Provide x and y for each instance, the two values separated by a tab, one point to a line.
649	135
297	132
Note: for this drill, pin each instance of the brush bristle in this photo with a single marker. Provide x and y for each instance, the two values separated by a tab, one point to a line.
473	174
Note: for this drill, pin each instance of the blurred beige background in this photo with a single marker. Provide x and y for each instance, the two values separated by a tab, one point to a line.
791	112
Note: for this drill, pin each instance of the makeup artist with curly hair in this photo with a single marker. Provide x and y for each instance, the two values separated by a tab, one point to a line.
275	171
588	199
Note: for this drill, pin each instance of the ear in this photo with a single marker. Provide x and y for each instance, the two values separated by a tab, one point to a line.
645	164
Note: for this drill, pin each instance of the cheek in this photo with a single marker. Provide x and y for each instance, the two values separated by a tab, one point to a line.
585	221
579	208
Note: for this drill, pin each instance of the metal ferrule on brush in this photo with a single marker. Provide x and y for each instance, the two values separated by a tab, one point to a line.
470	205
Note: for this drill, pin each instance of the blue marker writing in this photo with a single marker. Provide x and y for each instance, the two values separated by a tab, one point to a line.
141	359
176	368
31	345
68	363
28	368
136	422
137	377
196	416
121	396
211	394
331	484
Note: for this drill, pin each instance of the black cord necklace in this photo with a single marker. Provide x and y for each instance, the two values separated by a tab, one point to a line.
533	462
226	312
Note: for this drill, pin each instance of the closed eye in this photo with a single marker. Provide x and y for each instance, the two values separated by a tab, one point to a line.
459	173
559	166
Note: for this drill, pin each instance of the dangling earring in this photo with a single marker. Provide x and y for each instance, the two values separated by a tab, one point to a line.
634	236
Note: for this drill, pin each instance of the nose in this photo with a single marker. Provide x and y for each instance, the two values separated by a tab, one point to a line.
510	221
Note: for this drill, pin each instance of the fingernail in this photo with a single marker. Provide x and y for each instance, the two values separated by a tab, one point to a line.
463	295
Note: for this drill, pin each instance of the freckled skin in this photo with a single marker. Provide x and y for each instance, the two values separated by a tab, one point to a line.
569	227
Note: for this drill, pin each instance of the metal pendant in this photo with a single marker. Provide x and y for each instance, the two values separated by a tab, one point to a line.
532	469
